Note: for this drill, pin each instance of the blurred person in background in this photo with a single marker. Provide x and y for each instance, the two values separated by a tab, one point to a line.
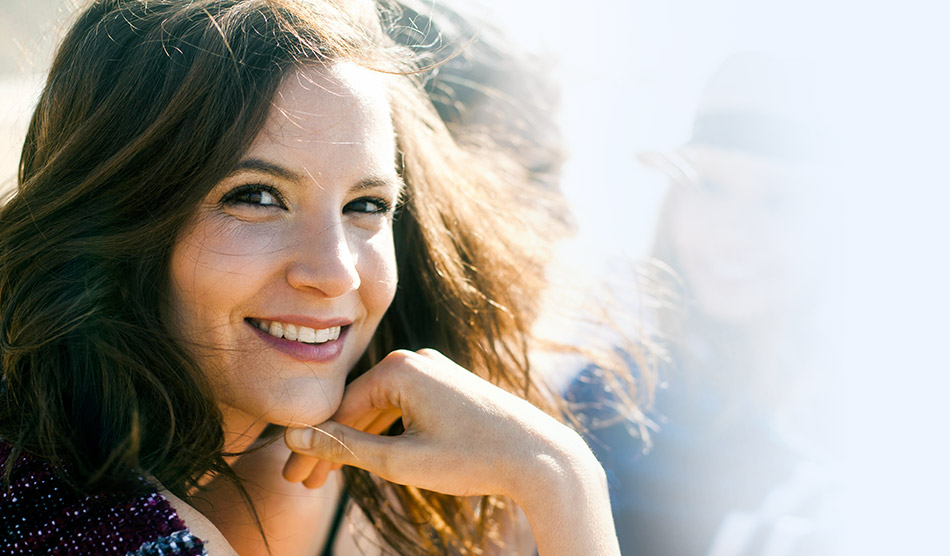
733	467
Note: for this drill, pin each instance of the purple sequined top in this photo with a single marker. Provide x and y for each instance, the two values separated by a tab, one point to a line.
41	514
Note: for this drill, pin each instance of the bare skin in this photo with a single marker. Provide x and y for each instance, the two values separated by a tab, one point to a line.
463	437
466	437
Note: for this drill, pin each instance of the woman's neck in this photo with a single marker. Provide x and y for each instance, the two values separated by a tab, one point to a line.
240	430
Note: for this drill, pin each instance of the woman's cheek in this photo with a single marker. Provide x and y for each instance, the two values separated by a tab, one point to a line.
380	270
688	230
220	245
239	241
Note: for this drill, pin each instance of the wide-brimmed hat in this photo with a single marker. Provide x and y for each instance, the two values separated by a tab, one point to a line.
752	104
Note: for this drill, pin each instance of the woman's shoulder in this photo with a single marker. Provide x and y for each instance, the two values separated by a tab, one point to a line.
41	514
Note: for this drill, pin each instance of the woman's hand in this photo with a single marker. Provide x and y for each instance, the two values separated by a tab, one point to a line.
464	436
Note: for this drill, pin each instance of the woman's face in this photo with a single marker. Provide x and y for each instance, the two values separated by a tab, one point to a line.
738	233
284	273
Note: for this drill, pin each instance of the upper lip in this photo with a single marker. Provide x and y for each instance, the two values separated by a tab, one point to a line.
310	322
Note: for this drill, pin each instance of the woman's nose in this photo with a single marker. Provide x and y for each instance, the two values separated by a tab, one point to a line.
324	262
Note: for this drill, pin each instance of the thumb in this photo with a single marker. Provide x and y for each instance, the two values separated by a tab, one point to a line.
336	443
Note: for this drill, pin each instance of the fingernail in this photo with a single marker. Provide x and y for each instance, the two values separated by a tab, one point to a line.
299	438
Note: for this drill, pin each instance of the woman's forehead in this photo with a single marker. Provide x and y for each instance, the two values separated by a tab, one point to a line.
330	120
329	97
343	82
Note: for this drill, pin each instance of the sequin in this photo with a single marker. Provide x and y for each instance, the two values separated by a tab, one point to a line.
40	514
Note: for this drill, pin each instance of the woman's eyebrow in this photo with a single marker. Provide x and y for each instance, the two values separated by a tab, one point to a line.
276	170
265	167
380	183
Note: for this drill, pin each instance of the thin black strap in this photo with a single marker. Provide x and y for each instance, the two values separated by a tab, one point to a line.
337	521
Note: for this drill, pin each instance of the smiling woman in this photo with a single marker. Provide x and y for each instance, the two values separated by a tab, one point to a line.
301	234
240	234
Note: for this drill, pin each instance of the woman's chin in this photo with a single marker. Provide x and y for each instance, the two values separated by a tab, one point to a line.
303	421
306	416
306	403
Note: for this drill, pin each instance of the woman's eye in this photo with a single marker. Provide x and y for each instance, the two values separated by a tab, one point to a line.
258	195
369	205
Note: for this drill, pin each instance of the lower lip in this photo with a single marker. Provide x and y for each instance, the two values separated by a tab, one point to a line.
315	353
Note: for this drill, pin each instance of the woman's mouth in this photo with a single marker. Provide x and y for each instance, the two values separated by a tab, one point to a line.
303	343
296	332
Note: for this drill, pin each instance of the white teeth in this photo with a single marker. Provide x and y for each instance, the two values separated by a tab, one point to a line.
307	335
298	333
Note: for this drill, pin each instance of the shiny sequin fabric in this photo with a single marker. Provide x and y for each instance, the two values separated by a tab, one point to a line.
40	514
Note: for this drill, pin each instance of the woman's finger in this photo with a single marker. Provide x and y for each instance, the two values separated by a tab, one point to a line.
298	467
319	474
358	411
363	397
381	422
361	422
344	445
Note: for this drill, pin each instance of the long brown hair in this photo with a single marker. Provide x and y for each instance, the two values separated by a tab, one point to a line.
147	106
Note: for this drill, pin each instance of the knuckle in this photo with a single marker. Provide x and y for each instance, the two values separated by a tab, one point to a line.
399	363
395	364
430	353
336	445
399	356
415	358
384	465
